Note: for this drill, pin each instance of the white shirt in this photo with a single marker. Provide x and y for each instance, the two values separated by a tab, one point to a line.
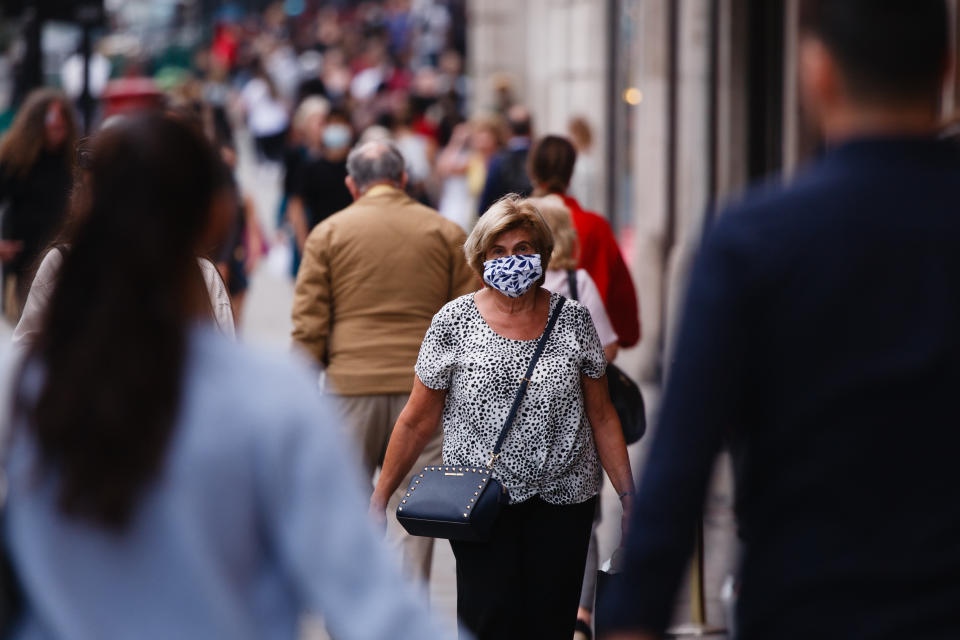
589	296
266	115
41	289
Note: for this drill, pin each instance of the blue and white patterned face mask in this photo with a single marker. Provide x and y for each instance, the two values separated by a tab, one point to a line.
513	275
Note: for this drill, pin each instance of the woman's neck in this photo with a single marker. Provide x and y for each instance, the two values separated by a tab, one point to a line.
509	306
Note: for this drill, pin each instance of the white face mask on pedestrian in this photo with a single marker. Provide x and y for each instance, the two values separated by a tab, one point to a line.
336	137
513	275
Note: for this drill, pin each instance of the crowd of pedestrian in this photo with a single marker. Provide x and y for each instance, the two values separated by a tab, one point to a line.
461	304
362	110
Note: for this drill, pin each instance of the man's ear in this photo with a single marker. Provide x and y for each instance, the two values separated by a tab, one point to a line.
352	187
403	181
820	83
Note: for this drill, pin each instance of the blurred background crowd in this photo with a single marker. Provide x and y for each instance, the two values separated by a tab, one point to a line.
288	87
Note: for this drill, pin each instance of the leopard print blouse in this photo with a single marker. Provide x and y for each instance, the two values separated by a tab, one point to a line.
549	450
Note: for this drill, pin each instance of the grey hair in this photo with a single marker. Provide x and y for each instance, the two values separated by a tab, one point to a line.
375	161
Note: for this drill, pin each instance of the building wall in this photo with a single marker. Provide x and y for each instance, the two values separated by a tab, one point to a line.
556	54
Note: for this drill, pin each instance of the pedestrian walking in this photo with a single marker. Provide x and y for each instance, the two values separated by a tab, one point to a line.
44	282
462	166
585	183
242	248
318	188
507	171
164	482
372	277
820	338
551	164
36	171
524	582
267	115
563	271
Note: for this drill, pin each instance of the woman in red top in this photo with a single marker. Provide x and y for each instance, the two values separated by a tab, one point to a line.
550	165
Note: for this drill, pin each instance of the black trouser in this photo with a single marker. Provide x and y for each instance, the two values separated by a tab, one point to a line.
525	581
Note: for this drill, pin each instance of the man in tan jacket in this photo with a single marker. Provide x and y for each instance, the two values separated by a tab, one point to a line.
371	280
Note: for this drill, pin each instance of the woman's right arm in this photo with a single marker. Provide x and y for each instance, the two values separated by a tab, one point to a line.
415	427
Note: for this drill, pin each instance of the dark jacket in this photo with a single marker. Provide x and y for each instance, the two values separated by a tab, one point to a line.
507	173
822	337
36	206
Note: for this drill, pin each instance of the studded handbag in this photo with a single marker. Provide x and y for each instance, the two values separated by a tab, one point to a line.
461	502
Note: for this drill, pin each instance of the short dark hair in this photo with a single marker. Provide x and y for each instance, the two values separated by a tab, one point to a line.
551	162
890	50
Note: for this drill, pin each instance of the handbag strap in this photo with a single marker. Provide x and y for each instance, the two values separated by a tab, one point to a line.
572	284
525	381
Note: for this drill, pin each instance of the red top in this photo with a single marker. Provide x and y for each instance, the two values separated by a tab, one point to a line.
600	256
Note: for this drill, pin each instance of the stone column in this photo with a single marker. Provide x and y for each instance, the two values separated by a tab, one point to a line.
555	51
496	43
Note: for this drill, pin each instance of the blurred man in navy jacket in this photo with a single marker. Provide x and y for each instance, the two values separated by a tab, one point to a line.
821	339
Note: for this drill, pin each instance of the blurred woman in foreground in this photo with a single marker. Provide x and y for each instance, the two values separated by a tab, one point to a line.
164	482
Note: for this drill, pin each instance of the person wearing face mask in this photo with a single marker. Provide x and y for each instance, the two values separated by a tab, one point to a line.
524	582
318	188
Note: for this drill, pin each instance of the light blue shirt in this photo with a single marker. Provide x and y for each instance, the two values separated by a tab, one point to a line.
258	518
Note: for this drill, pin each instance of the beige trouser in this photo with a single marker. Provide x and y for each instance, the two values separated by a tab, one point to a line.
369	422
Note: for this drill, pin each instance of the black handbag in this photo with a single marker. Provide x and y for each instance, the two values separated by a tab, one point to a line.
624	392
462	502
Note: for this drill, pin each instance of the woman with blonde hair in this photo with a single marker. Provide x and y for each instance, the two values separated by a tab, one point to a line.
565	278
463	167
524	581
36	173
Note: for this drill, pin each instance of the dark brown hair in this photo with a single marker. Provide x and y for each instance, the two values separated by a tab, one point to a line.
551	163
22	144
894	51
113	343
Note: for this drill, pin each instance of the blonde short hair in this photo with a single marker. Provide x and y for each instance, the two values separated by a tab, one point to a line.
566	246
310	107
509	213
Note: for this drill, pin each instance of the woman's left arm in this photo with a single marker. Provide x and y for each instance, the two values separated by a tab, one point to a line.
608	436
